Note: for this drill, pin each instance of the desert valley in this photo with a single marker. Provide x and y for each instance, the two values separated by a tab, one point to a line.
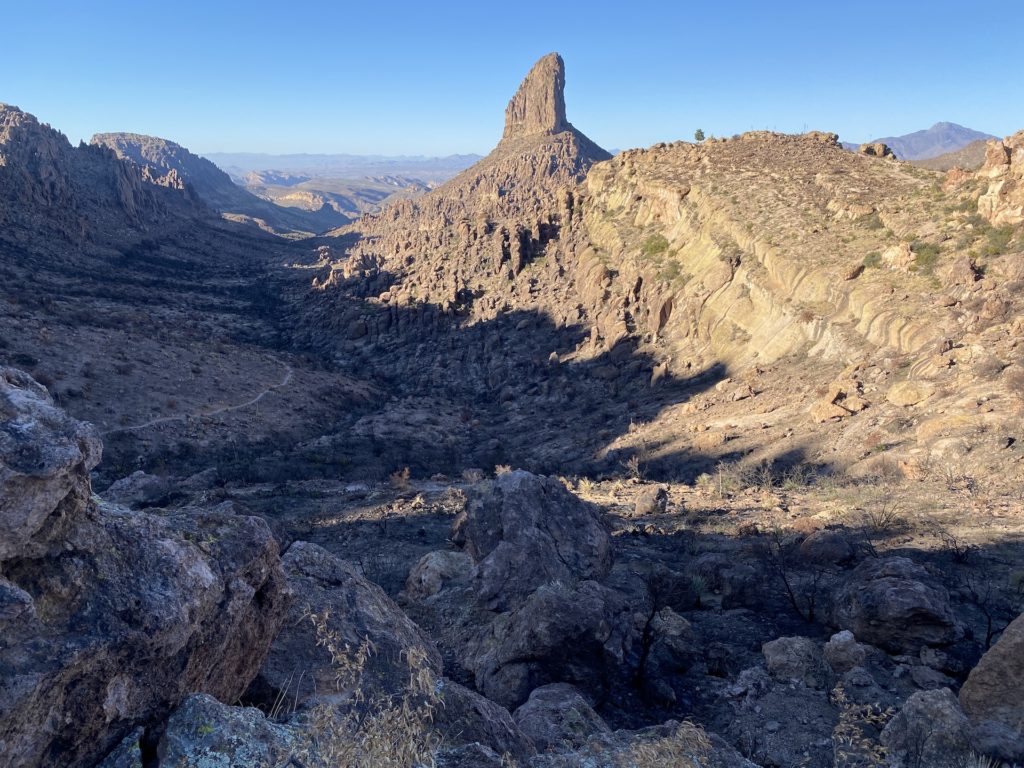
705	454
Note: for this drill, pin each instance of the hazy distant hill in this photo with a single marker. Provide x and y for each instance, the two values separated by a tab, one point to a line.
429	169
970	158
940	139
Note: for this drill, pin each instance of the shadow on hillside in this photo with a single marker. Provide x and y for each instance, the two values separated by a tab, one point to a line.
518	389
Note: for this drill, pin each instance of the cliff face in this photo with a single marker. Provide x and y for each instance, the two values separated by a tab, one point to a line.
168	164
539	105
1003	201
81	194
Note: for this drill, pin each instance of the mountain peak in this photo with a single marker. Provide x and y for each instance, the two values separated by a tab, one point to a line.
539	105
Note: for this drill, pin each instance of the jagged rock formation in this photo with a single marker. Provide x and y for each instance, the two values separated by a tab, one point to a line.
109	618
168	164
479	231
539	105
80	194
1003	202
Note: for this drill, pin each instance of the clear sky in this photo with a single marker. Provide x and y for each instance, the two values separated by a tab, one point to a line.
433	77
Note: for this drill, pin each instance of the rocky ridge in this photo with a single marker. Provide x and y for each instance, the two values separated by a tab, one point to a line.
168	164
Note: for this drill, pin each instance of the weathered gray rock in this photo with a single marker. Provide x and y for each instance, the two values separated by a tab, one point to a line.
672	650
523	531
138	490
931	730
127	754
466	717
992	695
557	716
651	501
45	458
435	571
116	616
203	732
356	610
827	547
894	604
797	659
843	652
586	634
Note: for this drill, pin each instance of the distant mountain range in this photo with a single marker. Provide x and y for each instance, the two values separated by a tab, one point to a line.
342	166
940	139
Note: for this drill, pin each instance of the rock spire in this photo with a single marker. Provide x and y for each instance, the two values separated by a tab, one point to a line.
539	105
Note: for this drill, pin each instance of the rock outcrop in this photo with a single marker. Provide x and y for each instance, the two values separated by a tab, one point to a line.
168	164
523	531
894	604
539	105
80	194
1003	202
353	610
991	696
109	618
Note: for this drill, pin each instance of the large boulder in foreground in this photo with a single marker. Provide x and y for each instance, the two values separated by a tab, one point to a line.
524	530
45	458
894	604
335	594
109	618
993	696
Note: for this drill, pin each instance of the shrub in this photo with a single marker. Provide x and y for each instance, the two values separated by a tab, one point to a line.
997	241
698	135
873	259
926	256
655	245
400	479
379	732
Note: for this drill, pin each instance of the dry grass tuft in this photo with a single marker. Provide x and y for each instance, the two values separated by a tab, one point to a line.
379	731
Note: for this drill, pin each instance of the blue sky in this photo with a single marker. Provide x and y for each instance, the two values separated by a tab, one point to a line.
434	77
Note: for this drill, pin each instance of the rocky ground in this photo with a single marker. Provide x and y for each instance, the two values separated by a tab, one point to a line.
701	455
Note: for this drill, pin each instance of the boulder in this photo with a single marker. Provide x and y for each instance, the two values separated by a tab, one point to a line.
204	732
652	501
558	716
876	149
899	257
672	650
434	571
45	459
299	667
843	652
930	730
465	717
827	547
893	603
907	393
586	634
523	531
992	698
138	490
109	618
797	659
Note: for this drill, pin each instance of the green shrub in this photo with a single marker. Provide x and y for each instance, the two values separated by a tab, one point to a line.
926	256
655	245
873	259
997	241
